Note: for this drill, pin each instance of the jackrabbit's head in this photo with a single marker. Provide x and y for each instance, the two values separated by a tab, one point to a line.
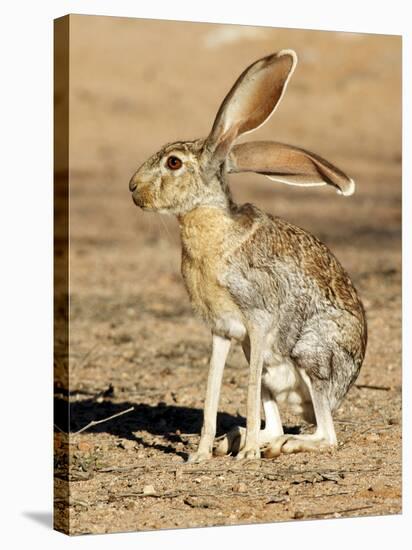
184	175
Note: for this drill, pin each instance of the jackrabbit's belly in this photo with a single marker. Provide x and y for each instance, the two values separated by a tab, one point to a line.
286	385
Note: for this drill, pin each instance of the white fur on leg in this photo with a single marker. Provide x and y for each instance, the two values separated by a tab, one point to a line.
325	428
251	448
273	423
235	439
323	437
220	350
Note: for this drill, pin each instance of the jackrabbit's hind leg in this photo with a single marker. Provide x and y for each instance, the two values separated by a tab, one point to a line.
324	435
273	424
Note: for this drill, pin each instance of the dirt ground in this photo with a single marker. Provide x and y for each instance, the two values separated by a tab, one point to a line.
134	340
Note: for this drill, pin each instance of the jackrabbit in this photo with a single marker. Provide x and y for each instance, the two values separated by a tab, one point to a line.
256	278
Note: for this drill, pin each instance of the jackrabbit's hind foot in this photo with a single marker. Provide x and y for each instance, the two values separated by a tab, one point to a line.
295	444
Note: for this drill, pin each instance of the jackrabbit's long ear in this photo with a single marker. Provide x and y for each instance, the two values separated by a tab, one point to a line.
251	101
287	164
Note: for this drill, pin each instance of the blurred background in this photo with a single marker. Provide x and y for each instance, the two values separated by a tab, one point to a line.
136	84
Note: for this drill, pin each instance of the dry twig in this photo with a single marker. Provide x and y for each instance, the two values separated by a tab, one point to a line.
95	422
372	387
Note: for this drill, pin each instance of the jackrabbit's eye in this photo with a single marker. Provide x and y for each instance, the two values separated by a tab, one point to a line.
174	163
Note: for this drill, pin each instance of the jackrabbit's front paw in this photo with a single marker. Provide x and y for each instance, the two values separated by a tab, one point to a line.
248	454
230	442
199	456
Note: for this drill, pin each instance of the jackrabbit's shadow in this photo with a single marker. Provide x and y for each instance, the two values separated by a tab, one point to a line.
161	419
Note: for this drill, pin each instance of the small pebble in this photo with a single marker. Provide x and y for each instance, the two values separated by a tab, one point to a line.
298	514
177	458
84	446
149	490
240	487
127	444
178	474
377	487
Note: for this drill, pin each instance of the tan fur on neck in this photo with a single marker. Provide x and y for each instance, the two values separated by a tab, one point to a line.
208	236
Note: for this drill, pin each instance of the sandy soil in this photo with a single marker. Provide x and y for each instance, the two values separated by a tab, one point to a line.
134	341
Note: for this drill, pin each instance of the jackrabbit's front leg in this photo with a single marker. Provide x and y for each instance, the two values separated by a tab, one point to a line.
251	448
234	440
220	349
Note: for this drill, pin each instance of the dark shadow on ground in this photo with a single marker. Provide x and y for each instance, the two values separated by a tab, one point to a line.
160	419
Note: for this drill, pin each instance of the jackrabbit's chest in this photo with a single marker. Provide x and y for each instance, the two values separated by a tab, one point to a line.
210	298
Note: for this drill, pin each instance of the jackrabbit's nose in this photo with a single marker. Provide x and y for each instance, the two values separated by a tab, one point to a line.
132	184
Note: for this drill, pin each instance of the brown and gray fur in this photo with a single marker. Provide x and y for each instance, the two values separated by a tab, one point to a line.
256	278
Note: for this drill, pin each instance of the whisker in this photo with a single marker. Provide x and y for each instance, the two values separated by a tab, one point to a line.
169	237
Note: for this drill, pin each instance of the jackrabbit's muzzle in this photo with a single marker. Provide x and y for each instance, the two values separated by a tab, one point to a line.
137	196
137	200
141	194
